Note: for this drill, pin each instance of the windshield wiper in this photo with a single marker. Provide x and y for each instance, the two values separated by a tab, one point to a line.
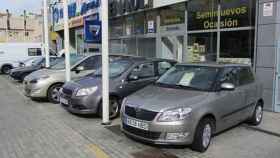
188	87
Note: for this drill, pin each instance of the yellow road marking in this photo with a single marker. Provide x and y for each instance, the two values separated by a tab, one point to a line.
99	153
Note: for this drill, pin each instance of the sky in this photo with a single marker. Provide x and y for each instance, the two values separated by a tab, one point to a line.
17	6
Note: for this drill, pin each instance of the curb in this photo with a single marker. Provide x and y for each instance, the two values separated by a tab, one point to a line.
263	130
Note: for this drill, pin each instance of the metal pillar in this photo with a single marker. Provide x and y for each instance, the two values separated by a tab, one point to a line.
46	32
105	62
66	41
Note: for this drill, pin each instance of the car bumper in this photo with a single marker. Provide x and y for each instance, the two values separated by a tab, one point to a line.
80	105
160	133
38	90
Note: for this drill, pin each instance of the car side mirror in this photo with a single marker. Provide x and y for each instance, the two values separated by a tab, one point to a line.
43	66
133	77
79	69
227	86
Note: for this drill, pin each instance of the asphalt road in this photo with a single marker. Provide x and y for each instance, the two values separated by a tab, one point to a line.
30	129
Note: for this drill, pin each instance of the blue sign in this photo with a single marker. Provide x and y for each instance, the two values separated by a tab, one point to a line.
92	29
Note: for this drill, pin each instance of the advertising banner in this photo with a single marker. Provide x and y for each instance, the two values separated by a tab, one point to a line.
92	29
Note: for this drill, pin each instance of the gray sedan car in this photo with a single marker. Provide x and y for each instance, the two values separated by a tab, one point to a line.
191	102
127	75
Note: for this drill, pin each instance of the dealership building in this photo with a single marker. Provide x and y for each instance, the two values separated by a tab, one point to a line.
240	31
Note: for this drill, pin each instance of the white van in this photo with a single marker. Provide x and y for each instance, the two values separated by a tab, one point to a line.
12	53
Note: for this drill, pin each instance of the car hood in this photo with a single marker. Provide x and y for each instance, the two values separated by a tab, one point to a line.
158	99
86	82
45	72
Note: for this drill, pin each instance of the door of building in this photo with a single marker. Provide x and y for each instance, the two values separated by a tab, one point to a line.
172	47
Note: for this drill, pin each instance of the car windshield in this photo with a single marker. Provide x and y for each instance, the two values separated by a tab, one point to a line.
61	65
189	77
116	68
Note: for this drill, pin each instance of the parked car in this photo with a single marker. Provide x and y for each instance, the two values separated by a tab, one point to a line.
12	53
46	83
127	75
191	102
37	64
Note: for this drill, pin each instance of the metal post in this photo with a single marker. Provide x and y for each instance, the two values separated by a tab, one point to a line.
105	62
46	31
66	41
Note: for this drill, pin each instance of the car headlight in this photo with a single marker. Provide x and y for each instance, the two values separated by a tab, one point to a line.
123	104
39	79
86	91
177	114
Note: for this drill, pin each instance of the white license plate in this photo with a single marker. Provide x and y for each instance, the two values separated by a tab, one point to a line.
64	101
137	124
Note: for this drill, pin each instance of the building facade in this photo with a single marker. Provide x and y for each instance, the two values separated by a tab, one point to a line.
84	24
239	31
24	28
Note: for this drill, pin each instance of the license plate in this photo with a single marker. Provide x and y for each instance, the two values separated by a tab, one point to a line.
64	101
137	124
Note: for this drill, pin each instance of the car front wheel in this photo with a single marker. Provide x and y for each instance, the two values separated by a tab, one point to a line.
203	135
257	117
114	108
53	93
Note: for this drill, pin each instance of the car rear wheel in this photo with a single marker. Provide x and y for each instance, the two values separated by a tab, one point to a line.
257	117
53	93
114	108
203	135
6	69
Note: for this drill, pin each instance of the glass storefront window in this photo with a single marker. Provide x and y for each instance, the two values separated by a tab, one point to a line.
202	47
174	14
237	13
116	27
129	46
237	45
115	46
151	22
129	25
172	47
202	14
147	47
139	23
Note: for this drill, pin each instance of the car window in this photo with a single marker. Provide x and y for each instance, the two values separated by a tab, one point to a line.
91	63
145	70
193	77
230	75
245	76
163	67
34	52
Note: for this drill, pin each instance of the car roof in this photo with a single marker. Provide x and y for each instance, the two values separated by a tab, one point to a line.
216	64
135	59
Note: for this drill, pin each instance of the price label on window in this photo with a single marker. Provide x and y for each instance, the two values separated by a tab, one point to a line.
268	9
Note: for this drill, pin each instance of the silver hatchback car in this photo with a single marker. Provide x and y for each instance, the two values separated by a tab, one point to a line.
191	102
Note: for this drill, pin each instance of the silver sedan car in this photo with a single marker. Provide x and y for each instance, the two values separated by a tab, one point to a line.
191	102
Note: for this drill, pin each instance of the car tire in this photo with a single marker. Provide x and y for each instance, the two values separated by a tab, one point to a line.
203	135
53	93
257	117
6	69
114	110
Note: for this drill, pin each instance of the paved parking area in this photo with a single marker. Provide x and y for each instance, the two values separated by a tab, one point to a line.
31	129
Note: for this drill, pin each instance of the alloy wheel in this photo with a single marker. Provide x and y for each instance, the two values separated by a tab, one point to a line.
206	136
55	94
259	113
114	108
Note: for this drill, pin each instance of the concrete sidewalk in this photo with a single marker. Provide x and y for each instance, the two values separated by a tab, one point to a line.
270	124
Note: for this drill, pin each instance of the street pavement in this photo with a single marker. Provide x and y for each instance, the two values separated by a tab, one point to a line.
30	129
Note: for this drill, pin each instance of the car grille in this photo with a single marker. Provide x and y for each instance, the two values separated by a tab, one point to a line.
142	133
67	91
140	114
